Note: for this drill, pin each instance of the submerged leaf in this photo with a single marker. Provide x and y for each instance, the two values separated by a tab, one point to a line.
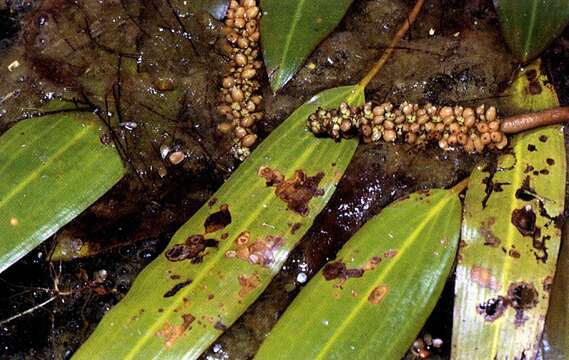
51	169
220	261
529	26
291	29
216	8
378	292
511	238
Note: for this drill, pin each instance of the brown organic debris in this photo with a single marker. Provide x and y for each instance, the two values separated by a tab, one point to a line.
297	191
218	220
261	252
473	129
240	97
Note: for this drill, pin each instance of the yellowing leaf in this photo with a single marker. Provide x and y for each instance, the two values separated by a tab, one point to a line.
511	239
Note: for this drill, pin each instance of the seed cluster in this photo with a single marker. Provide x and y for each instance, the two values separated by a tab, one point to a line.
240	99
451	127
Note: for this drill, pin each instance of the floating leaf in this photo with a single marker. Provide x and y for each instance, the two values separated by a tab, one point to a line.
378	292
220	261
291	29
529	26
511	238
51	169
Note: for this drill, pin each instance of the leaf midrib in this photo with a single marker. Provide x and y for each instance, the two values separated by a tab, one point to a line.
294	24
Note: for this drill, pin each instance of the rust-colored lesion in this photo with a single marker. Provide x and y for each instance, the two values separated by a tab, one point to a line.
171	333
378	294
296	191
248	283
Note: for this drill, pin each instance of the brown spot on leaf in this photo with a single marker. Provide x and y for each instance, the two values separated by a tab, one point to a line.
192	250
390	253
522	295
372	263
550	161
483	277
212	201
338	270
220	326
547	283
543	138
524	220
261	252
218	220
514	253
378	294
493	308
297	191
171	333
294	227
531	148
248	283
177	287
486	231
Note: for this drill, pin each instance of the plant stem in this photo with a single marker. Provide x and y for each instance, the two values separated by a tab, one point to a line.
518	123
398	36
457	189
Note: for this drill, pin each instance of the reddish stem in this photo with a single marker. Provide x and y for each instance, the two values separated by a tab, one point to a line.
518	123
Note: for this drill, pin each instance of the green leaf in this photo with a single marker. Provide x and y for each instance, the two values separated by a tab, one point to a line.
291	29
176	309
51	169
405	253
511	238
529	26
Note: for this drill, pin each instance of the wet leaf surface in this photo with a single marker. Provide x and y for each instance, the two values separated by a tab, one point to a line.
290	30
216	8
510	237
386	277
216	286
43	167
530	26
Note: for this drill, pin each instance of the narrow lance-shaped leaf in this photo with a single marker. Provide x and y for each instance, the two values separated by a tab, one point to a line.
373	299
511	238
529	26
51	169
291	29
220	261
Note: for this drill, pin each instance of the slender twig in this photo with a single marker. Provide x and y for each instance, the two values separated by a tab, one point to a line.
396	39
518	123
